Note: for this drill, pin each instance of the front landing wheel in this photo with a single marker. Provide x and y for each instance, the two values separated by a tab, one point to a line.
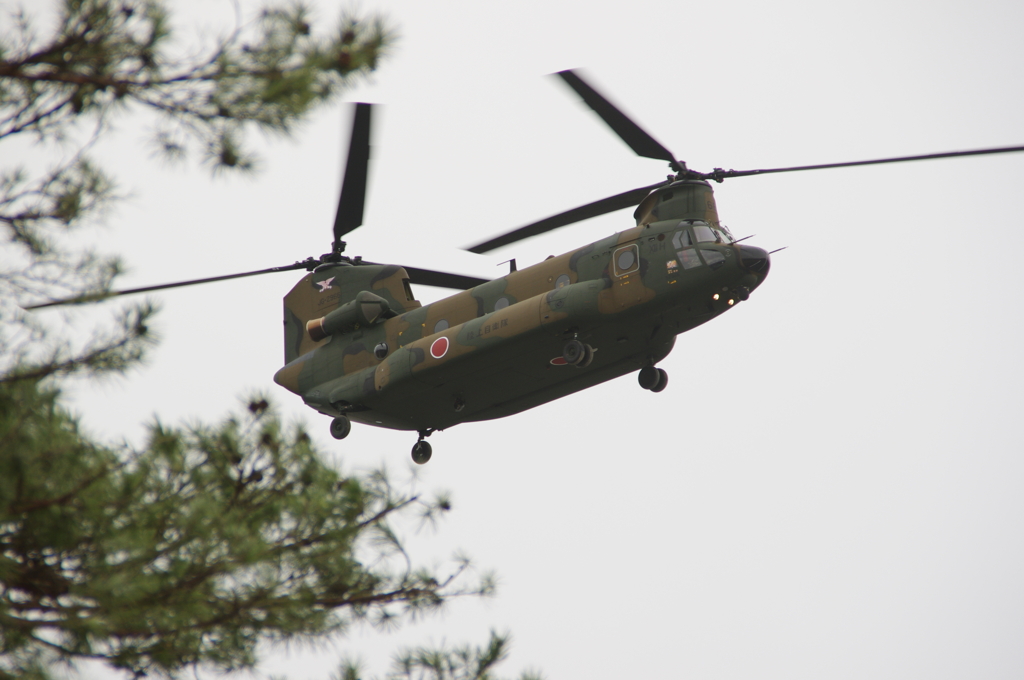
421	452
649	377
340	427
662	381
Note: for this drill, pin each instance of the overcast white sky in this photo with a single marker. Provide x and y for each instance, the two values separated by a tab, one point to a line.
831	485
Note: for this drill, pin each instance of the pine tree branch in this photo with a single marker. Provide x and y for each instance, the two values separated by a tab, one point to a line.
39	504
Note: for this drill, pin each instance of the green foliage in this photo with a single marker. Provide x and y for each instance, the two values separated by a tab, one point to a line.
444	663
105	56
109	58
209	540
195	548
111	351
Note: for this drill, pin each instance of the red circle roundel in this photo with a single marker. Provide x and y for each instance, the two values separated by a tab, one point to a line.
439	348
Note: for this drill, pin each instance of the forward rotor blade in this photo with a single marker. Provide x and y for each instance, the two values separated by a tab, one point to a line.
626	199
719	174
432	277
96	297
353	187
642	143
429	277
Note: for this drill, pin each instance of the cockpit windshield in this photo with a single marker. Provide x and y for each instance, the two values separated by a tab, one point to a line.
705	233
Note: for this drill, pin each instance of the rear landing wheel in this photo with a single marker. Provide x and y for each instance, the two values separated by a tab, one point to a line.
574	352
421	452
340	427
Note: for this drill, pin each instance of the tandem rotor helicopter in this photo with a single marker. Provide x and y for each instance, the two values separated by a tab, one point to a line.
359	346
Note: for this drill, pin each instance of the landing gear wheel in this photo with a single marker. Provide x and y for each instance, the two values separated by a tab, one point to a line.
588	356
649	377
340	427
574	352
421	452
662	381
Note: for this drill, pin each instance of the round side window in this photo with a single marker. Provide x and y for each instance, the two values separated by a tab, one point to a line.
502	303
441	325
562	281
626	260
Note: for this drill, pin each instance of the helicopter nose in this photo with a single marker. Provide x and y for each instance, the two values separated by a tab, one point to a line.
754	260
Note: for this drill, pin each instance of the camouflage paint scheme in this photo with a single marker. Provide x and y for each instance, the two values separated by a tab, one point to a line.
502	336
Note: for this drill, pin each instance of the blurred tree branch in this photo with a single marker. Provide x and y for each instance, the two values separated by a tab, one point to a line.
110	58
196	547
191	550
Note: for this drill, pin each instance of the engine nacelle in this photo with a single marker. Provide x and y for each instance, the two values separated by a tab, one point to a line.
366	310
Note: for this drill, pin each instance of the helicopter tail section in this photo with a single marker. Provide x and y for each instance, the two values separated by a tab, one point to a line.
327	288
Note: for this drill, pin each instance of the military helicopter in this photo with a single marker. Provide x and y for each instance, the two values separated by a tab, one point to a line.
360	348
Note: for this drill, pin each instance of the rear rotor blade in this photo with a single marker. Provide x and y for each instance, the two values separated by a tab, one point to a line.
718	174
96	297
353	187
642	143
626	199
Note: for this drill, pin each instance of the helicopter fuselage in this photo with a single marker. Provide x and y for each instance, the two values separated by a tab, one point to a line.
497	349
